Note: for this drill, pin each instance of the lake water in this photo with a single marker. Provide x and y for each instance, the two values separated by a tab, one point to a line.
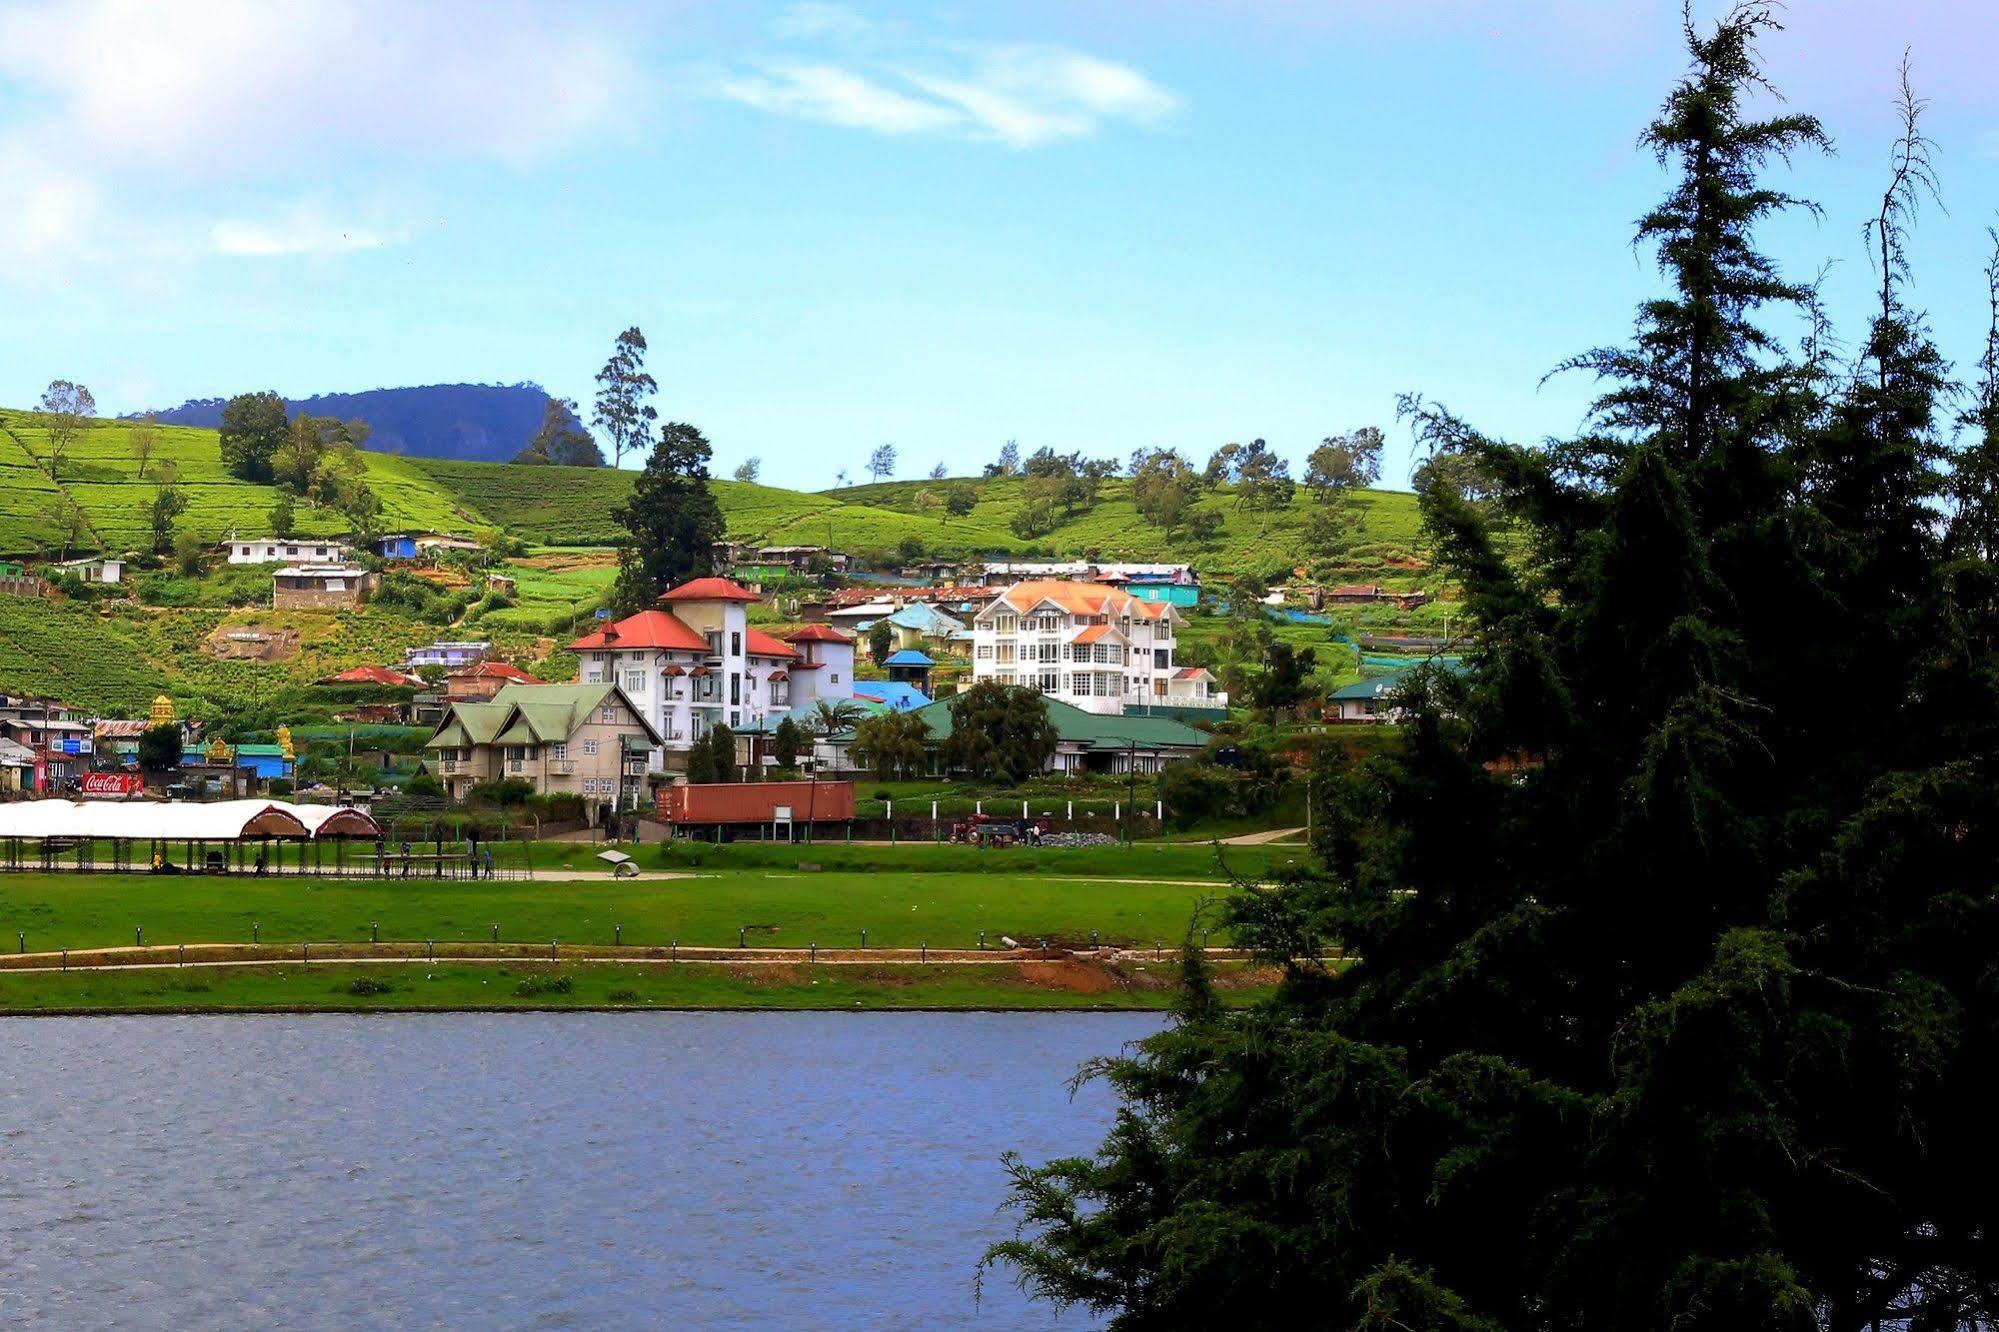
529	1170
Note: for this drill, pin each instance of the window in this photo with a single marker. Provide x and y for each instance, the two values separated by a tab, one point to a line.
594	677
600	656
1050	682
559	750
1083	685
589	747
608	715
735	691
735	643
985	651
835	679
635	682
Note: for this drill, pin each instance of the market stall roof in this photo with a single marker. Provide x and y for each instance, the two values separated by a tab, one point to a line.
203	821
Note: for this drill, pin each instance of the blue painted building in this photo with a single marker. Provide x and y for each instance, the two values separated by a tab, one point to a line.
398	547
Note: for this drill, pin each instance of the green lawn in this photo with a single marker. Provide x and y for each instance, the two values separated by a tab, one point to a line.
779	907
331	986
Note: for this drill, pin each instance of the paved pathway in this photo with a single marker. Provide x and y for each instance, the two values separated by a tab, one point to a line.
1260	838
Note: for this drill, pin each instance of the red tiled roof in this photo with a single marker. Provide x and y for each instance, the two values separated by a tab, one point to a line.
817	633
647	629
375	675
760	644
1091	634
710	589
1190	672
496	670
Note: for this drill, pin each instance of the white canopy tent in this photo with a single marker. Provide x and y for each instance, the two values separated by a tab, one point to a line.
147	821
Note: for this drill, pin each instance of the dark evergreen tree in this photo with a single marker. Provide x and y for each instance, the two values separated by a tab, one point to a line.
999	731
672	517
1670	922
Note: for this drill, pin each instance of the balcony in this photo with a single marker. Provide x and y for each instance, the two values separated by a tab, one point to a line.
562	767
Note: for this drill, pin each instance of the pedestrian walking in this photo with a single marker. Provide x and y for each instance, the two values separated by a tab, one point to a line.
406	857
489	864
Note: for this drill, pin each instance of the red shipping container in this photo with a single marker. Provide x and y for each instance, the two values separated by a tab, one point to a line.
757	802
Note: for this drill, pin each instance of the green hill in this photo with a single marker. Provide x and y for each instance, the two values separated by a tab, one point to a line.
571	506
117	656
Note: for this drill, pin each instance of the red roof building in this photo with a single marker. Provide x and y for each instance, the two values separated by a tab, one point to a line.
710	589
648	629
374	675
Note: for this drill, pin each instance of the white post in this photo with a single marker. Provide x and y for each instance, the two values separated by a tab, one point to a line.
1159	810
1117	811
933	811
888	809
1072	810
1023	809
978	807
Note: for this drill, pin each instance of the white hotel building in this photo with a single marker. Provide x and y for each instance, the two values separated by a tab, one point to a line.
697	661
1093	647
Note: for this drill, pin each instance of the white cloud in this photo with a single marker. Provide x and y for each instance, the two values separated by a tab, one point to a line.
1018	95
128	117
202	84
302	231
813	18
837	97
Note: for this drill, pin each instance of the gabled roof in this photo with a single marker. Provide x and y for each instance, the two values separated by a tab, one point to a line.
1094	633
757	643
1192	673
538	714
818	633
376	675
647	629
495	670
926	619
909	657
710	589
1074	598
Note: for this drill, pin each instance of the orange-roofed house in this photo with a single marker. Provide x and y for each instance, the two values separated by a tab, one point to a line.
1091	645
694	660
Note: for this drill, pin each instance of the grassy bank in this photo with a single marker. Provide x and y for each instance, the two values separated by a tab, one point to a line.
771	908
350	987
1145	860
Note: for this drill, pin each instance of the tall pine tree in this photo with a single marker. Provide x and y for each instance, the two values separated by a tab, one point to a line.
672	518
1668	998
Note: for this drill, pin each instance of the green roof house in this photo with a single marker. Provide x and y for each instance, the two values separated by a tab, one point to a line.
586	740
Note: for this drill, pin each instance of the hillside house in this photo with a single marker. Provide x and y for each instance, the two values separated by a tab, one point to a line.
95	568
322	587
696	661
588	740
386	677
451	655
893	695
479	683
286	550
922	626
1094	647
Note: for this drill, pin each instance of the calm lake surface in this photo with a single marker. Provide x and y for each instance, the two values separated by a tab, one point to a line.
529	1170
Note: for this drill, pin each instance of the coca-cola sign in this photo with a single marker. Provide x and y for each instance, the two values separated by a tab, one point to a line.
112	784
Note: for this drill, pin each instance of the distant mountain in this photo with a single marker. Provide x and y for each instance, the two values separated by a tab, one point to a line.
469	422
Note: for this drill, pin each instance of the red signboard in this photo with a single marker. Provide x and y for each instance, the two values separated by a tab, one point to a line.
112	784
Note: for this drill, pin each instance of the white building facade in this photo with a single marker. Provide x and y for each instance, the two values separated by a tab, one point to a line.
287	550
1094	647
697	661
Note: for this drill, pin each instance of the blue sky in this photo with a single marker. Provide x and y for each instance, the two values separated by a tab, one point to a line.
1096	227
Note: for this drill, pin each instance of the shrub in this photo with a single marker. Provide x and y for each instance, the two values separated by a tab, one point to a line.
539	985
369	985
423	784
281	786
508	791
623	996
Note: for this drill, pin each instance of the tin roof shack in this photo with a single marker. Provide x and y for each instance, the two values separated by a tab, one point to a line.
723	807
321	587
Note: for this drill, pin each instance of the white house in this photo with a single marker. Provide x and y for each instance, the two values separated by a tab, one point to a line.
1095	647
96	568
287	550
696	661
